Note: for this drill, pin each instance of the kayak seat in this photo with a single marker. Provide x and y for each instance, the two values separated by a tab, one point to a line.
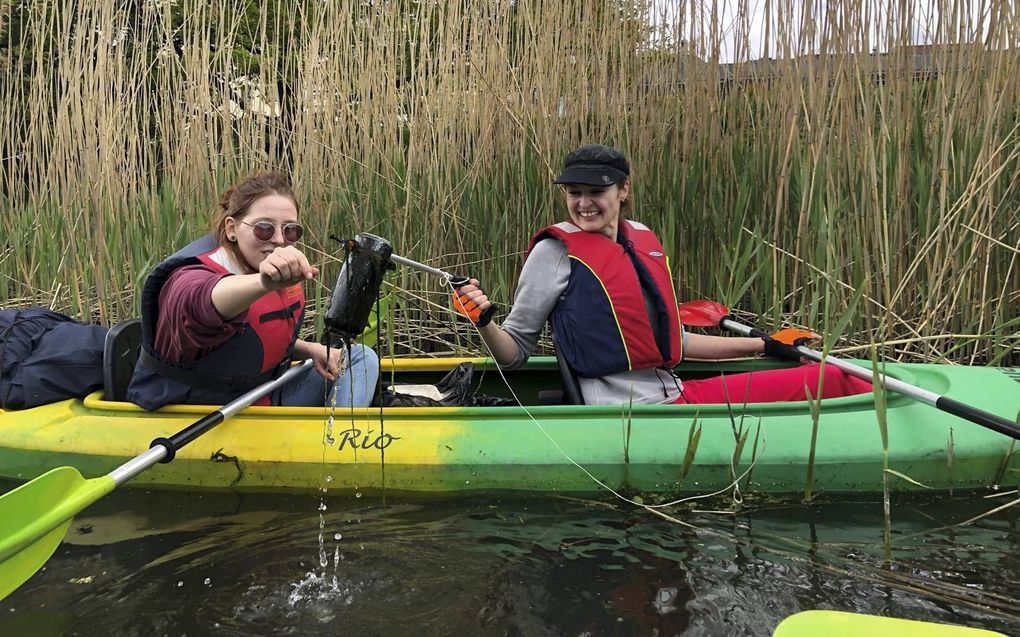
120	352
570	394
571	388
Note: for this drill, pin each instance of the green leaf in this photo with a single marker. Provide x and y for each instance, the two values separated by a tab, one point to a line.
906	477
693	438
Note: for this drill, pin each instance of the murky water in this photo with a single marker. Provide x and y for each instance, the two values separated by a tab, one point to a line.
139	563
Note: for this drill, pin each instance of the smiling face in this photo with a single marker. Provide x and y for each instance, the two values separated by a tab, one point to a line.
596	208
275	209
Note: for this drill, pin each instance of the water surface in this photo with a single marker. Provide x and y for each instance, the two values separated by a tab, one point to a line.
157	563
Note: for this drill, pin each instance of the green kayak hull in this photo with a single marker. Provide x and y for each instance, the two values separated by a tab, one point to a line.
667	449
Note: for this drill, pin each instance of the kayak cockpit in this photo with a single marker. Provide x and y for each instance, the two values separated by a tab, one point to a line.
536	385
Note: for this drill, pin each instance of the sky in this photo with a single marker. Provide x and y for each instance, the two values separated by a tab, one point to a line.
742	23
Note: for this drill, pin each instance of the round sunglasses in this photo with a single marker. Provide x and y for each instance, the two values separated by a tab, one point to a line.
265	230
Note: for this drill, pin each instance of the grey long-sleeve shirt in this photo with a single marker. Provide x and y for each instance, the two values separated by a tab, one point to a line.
542	284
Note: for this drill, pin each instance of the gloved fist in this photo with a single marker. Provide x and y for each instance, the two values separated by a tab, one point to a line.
793	336
780	350
470	300
782	344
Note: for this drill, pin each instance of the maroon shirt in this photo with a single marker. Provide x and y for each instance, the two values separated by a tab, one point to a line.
189	326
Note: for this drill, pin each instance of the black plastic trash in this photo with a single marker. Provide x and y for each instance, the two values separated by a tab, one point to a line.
454	390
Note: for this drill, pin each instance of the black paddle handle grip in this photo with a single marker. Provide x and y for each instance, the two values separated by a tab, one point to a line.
184	436
975	415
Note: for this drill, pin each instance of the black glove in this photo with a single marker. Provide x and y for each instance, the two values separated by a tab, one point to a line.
780	350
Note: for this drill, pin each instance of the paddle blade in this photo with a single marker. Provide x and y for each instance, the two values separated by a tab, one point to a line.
34	518
833	623
702	313
18	568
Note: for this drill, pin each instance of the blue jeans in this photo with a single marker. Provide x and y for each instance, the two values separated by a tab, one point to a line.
355	387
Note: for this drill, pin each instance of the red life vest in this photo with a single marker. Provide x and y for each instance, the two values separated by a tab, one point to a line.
603	324
255	354
274	318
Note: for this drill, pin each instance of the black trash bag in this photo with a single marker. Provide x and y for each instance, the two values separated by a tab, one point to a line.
454	390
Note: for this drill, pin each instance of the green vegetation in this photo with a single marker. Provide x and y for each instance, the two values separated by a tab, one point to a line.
871	196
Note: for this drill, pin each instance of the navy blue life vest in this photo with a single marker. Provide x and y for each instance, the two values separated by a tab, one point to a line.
255	354
603	325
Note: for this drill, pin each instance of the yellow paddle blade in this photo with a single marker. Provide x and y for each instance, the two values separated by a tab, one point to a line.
34	518
832	623
15	570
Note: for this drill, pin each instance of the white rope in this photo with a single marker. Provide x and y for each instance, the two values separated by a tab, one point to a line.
732	485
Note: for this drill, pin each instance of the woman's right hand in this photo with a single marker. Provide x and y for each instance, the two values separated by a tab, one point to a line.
284	267
470	300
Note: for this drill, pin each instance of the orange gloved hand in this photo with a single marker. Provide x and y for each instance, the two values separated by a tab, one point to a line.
469	307
783	344
793	336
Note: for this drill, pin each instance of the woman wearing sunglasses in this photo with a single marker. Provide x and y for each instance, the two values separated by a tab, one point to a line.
222	315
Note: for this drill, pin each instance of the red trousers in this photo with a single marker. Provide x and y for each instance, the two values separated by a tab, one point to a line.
772	386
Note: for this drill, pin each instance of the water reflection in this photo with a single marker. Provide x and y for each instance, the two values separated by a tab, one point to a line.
156	563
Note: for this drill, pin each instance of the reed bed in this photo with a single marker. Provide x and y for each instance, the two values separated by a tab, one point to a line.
855	182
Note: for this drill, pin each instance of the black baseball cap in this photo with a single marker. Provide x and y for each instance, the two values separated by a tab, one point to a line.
594	165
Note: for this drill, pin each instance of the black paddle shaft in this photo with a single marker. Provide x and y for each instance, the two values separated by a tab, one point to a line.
207	422
943	403
186	435
975	415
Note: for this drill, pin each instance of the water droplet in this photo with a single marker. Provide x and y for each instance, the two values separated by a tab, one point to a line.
338	536
322	506
357	495
207	581
180	584
329	478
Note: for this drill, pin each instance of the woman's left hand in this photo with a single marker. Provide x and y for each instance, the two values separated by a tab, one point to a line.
329	362
783	344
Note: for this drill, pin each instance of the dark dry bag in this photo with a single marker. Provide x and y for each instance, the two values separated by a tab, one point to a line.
46	356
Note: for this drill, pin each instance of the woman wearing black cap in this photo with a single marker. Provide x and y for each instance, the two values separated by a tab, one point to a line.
603	281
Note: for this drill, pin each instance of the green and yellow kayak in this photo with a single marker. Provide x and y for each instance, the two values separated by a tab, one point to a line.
541	447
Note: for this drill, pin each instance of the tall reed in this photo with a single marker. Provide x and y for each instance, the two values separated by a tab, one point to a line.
782	185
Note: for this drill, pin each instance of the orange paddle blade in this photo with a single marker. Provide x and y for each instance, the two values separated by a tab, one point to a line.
702	313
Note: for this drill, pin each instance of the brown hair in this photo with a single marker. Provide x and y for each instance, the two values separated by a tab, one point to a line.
627	207
237	199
